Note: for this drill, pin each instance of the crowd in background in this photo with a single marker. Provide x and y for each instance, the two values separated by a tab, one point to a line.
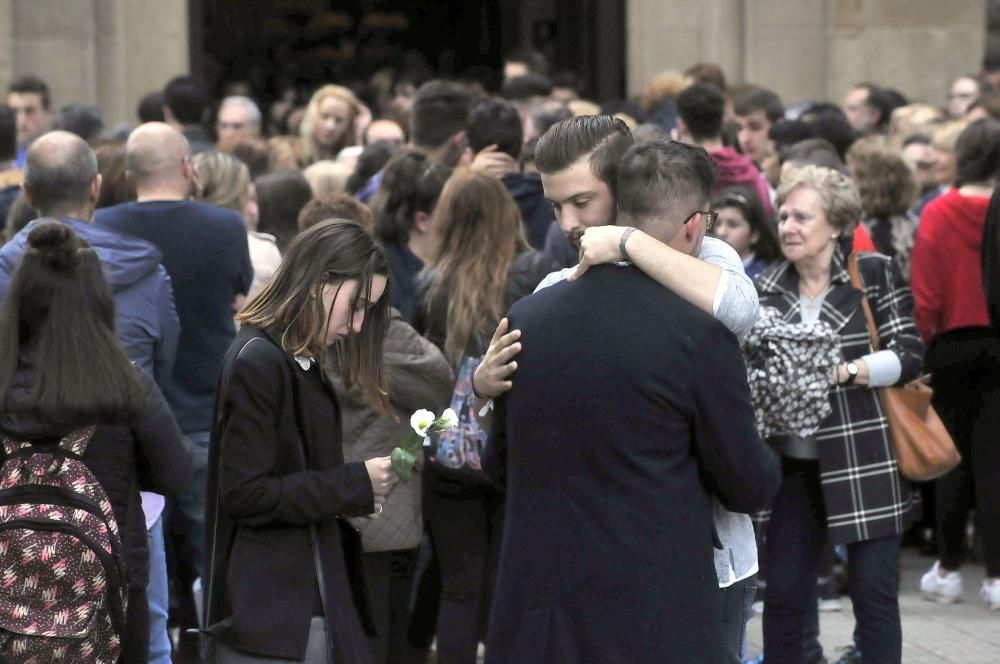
193	211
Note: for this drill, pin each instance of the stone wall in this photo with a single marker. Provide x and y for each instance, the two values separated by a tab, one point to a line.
812	48
102	52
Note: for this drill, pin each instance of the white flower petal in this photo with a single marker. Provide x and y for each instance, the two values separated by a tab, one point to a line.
421	420
449	418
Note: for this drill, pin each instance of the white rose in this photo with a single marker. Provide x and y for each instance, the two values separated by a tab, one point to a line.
421	421
449	419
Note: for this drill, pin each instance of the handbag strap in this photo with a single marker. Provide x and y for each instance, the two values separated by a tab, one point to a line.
852	268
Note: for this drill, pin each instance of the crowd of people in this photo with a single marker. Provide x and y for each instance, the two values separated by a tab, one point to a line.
648	316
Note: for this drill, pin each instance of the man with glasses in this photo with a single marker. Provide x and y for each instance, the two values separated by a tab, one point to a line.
619	437
579	162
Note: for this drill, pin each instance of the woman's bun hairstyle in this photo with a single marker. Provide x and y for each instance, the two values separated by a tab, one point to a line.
55	244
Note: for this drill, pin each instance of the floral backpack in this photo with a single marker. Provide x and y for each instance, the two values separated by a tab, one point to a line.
63	584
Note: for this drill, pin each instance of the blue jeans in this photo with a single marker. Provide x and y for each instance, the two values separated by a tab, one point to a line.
157	592
795	537
191	502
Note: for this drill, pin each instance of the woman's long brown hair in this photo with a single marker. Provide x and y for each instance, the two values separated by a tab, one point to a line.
477	233
290	306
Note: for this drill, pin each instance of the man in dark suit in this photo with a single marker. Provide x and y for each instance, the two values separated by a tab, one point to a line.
630	405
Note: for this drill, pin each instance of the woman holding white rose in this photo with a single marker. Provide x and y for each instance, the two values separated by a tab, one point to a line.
283	570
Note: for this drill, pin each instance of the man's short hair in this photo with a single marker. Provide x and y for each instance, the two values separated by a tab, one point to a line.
247	104
663	180
760	99
701	106
81	119
977	153
707	72
31	85
186	98
814	152
604	137
56	184
495	121
789	132
440	110
883	100
522	88
150	108
336	206
831	123
8	133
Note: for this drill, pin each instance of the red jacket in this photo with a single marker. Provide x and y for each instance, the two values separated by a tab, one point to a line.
947	273
737	170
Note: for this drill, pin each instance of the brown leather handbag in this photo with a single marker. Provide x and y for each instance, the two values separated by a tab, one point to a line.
924	449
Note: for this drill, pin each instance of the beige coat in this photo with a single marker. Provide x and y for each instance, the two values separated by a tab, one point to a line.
419	377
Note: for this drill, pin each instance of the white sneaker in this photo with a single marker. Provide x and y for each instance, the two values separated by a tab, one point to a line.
990	592
946	590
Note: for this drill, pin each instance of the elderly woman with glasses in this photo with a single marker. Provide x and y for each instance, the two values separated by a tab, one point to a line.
843	481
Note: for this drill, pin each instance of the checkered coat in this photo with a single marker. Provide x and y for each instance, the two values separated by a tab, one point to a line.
864	495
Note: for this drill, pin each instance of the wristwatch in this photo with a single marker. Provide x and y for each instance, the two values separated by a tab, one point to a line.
852	373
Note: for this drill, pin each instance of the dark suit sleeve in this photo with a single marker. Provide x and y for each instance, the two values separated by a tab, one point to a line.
251	491
736	465
245	265
495	453
163	456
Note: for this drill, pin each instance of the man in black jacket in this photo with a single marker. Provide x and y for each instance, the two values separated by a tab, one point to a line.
630	406
496	122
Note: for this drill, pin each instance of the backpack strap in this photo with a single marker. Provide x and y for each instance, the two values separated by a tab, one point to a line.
11	447
76	442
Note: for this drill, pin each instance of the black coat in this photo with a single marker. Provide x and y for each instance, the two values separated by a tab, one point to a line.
629	407
148	454
262	588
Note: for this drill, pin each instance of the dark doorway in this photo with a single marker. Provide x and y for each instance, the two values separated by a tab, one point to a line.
270	44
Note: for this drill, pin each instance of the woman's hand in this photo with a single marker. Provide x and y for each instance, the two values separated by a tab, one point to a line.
492	376
599	245
382	477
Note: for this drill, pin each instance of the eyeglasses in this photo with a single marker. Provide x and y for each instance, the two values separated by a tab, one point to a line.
710	217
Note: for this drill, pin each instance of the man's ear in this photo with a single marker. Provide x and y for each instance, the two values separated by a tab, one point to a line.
95	188
421	221
28	198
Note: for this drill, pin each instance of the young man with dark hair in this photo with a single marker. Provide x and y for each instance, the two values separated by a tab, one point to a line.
438	123
700	111
495	122
185	102
648	427
28	97
581	161
756	112
10	175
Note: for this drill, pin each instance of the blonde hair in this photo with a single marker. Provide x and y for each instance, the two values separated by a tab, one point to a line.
328	177
664	85
839	198
223	179
946	137
311	150
286	153
914	119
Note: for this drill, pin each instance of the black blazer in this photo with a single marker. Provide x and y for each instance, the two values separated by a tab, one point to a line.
629	407
261	582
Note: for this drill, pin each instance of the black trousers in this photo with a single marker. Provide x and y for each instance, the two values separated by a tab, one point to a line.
389	577
966	368
795	537
135	641
466	530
